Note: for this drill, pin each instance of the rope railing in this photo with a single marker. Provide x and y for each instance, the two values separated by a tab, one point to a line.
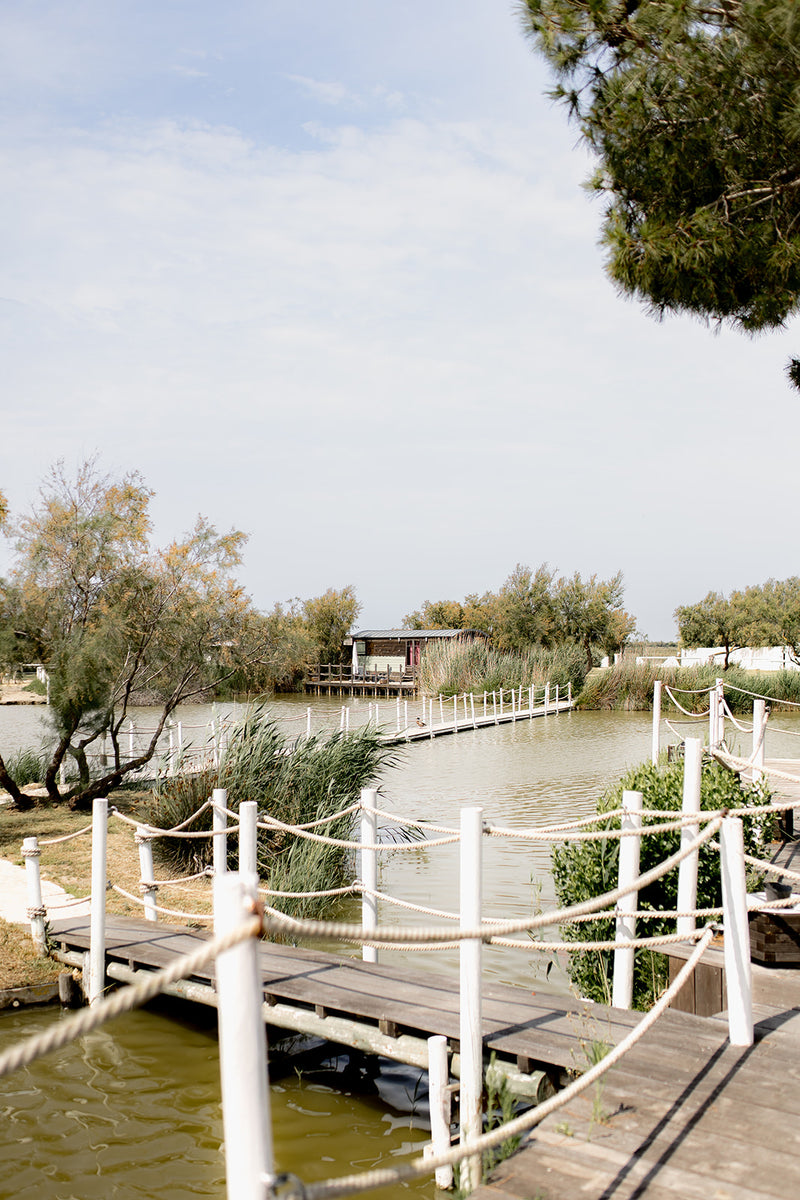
497	932
370	1180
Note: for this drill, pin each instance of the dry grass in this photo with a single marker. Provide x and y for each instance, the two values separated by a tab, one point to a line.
69	864
19	965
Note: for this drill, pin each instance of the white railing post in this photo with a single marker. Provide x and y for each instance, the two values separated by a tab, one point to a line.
736	944
36	909
494	706
720	713
759	738
308	722
397	724
470	1023
656	747
146	872
97	936
501	701
246	1119
687	870
472	707
546	697
171	752
219	825
626	924
369	868
455	714
557	687
441	710
712	718
248	838
439	1103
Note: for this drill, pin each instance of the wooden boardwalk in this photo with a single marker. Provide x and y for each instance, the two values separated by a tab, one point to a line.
700	1121
385	1006
684	1115
462	724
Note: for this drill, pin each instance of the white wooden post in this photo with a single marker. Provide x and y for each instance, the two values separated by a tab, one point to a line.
146	872
759	738
546	697
246	1120
501	702
557	688
369	868
441	711
513	707
36	909
687	870
494	706
470	1022
308	722
626	924
439	1104
248	837
219	825
341	720
171	751
398	714
656	741
97	942
720	712
736	946
530	700
712	718
347	719
455	714
472	707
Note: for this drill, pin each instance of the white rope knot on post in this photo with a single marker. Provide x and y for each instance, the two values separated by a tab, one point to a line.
35	911
30	851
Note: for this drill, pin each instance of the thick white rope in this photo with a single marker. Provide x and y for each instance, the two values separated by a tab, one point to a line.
345	812
686	712
519	1125
272	823
171	912
342	891
66	838
341	931
122	1001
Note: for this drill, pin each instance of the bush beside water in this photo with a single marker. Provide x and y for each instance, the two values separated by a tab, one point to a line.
295	781
585	869
629	687
458	668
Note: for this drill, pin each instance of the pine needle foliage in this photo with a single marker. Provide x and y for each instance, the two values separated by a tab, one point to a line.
292	780
585	869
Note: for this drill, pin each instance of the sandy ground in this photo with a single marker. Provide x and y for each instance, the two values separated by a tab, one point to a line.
16	693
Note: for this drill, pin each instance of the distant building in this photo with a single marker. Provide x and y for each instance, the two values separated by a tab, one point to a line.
400	650
749	658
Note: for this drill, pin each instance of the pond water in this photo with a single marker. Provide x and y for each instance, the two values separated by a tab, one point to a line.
134	1111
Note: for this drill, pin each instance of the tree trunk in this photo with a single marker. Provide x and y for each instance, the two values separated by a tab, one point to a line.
21	802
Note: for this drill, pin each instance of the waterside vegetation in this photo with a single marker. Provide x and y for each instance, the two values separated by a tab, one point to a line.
585	869
452	668
628	686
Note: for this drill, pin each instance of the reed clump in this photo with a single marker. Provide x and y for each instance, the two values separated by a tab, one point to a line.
456	668
628	686
293	780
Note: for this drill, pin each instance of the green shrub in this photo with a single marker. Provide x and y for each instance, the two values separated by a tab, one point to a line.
294	781
28	766
585	869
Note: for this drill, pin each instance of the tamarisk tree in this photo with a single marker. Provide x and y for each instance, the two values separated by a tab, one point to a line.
114	620
691	108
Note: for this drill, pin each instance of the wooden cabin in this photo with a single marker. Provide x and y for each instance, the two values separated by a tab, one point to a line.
398	651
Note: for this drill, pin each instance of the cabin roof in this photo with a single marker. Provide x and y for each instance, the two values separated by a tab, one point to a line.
412	635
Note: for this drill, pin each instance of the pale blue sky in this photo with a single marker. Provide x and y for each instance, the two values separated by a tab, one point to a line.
325	272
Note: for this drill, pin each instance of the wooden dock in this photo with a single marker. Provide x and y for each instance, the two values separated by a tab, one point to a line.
370	1006
692	1118
464	724
683	1115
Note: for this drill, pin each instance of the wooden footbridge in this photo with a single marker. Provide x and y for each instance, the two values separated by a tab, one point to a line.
684	1115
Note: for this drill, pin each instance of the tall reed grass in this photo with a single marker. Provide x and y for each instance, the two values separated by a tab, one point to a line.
294	781
629	686
453	668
